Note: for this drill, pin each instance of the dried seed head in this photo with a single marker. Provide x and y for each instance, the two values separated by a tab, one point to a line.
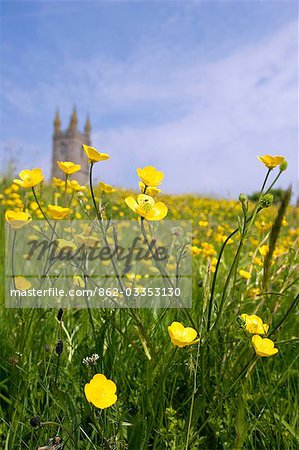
60	314
91	360
59	347
35	421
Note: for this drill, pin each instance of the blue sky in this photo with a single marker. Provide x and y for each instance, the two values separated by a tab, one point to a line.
196	88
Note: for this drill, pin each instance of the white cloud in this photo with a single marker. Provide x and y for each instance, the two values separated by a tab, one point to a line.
201	122
238	107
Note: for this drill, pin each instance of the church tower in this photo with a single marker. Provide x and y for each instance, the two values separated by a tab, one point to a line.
67	146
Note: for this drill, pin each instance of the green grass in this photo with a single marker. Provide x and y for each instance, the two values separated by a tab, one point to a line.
215	395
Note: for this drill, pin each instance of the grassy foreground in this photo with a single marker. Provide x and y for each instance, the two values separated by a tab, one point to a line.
216	394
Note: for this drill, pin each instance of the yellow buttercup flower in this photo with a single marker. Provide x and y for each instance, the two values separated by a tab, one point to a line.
93	155
17	219
244	274
57	212
104	187
254	324
182	336
149	190
271	161
100	391
29	178
146	207
68	167
22	284
263	346
150	176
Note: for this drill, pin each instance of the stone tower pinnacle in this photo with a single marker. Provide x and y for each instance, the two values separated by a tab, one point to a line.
74	120
57	122
67	146
87	128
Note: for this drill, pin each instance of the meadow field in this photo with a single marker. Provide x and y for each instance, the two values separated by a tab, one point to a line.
228	380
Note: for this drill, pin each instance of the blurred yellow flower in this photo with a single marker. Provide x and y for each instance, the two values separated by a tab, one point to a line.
68	167
75	186
254	324
244	274
89	241
104	187
271	161
213	264
263	346
208	249
17	219
33	206
284	222
146	207
15	187
78	281
257	261
57	212
62	243
149	190
93	155
30	178
253	292
203	223
195	250
133	276
100	391
22	284
264	249
150	176
182	336
58	182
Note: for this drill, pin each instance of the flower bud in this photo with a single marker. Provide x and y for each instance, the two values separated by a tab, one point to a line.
283	166
80	195
242	198
265	201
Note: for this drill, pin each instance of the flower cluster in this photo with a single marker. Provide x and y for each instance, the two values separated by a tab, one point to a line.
254	325
145	205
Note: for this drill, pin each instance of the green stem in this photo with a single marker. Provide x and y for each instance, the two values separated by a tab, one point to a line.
272	184
215	276
292	305
236	257
255	211
42	211
96	422
250	220
192	399
98	212
56	424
